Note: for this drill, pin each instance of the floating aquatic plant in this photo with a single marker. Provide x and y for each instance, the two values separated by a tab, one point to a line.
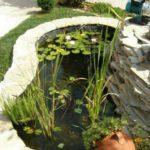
75	42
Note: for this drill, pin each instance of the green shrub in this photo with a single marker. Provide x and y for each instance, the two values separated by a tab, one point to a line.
73	3
46	4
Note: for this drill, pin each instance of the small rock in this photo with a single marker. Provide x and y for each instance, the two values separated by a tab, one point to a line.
141	73
134	60
131	42
128	51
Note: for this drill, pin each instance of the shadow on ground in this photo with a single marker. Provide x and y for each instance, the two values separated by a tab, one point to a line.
20	3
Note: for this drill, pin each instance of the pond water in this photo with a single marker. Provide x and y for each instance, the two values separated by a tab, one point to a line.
73	65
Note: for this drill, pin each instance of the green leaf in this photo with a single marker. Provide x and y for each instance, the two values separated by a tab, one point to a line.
76	51
57	129
41	57
78	110
79	102
64	53
86	52
60	96
64	92
61	145
38	132
52	91
28	130
52	46
24	120
50	57
71	78
40	49
54	53
62	101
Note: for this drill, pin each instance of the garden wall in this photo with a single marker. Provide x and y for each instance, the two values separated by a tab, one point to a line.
131	73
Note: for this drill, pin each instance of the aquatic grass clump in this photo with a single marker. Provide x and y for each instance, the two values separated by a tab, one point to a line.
32	107
94	93
46	114
23	108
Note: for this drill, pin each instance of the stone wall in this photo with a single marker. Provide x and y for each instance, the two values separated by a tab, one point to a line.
131	73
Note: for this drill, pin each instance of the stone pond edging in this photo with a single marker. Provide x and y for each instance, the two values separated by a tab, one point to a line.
25	61
24	67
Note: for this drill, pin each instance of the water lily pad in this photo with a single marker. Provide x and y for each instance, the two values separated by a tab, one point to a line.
78	110
86	52
50	57
76	51
64	53
54	53
41	57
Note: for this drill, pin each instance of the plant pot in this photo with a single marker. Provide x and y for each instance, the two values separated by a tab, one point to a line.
116	141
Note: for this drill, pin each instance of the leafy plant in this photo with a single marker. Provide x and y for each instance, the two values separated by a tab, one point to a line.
46	4
98	131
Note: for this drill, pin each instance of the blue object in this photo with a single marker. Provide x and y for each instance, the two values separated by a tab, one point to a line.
134	6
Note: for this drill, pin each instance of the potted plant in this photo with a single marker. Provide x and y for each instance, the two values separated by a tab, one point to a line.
108	135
